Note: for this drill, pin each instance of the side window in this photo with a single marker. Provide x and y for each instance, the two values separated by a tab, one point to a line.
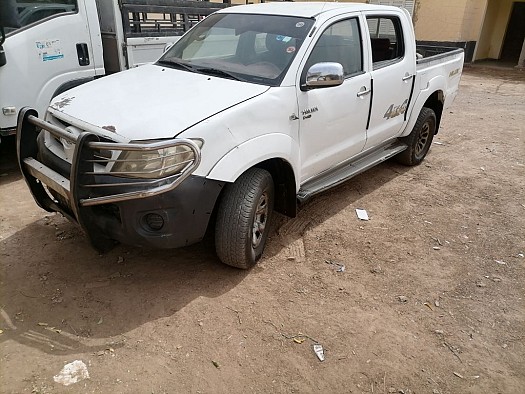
386	39
340	43
35	10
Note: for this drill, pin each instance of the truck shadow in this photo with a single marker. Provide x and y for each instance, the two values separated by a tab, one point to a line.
9	171
62	297
287	232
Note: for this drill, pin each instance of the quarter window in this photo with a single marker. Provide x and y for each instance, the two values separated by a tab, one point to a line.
340	43
386	39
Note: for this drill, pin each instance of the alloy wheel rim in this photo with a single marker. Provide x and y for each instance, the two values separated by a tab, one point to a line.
424	136
260	220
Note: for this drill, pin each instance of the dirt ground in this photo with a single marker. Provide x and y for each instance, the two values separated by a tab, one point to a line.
431	299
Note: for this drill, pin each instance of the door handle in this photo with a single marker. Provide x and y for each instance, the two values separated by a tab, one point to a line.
407	77
83	54
364	91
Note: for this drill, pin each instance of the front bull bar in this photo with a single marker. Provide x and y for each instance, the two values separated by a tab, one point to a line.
83	190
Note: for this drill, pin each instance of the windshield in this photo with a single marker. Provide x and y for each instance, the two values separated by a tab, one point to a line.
252	48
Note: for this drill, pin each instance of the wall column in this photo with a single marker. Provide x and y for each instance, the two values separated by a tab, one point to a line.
521	62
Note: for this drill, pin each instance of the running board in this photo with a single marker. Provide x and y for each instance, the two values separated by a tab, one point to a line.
341	174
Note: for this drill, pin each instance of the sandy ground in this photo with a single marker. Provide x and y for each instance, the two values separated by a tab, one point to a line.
431	299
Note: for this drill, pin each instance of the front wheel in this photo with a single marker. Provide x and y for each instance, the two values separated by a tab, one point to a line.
243	219
420	139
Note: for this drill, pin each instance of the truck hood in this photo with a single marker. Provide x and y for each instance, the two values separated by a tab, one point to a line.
151	102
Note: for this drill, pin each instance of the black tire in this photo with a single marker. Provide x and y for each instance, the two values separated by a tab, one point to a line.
420	139
243	219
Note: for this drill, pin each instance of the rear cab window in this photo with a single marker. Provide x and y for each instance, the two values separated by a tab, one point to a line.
386	39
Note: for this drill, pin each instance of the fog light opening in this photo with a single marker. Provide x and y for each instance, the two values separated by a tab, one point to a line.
153	221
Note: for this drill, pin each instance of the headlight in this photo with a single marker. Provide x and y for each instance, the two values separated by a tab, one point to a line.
155	163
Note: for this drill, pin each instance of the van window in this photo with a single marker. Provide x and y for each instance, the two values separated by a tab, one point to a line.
36	10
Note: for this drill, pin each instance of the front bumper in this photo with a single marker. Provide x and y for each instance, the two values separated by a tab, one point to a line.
110	208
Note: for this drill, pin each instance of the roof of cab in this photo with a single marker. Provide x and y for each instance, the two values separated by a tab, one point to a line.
302	9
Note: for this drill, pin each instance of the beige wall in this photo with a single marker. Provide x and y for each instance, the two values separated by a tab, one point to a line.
483	48
339	1
494	29
449	20
483	21
473	19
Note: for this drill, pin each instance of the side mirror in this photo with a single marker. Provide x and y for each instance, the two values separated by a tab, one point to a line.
323	75
9	14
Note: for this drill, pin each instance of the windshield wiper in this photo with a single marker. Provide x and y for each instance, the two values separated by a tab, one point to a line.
173	63
218	73
176	64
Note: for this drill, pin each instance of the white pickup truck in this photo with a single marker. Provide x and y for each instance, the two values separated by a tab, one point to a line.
255	109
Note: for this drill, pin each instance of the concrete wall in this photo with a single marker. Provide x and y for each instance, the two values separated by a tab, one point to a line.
469	23
473	19
439	20
484	42
449	20
494	28
521	62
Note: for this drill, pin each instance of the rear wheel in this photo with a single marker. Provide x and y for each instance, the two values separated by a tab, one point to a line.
243	219
420	139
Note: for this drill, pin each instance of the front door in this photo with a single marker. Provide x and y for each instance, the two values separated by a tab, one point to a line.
50	53
333	120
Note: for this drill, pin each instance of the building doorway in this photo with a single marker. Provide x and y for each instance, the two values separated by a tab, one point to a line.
513	42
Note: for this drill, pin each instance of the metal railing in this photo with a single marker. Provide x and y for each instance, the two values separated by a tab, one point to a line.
161	18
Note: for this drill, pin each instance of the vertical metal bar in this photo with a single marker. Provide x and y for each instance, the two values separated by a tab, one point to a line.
81	165
26	146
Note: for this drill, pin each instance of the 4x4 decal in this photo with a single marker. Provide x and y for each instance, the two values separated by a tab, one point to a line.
392	111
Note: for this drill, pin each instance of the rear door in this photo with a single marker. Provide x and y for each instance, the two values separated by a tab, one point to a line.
393	72
333	120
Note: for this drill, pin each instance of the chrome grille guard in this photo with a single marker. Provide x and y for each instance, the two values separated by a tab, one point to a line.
85	186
